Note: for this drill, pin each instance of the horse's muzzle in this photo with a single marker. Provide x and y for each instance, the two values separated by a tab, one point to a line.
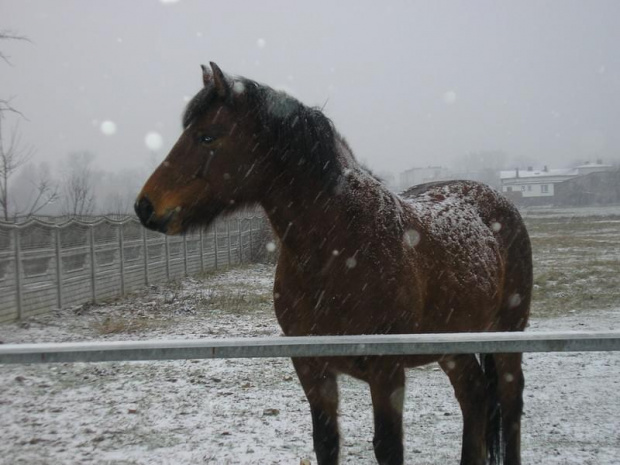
146	212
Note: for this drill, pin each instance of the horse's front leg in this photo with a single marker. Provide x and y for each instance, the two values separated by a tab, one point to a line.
387	389
321	388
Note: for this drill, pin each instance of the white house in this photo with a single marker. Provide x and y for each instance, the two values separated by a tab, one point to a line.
539	184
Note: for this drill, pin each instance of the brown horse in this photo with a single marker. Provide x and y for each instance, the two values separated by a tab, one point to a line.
357	259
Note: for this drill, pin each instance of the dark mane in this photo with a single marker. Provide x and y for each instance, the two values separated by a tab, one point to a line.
303	137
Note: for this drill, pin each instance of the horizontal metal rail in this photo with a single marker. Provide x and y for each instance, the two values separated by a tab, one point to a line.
312	346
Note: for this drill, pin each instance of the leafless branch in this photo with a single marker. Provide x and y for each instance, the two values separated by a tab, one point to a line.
47	193
6	107
9	35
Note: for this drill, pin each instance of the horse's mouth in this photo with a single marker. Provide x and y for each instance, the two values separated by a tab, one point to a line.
149	219
161	225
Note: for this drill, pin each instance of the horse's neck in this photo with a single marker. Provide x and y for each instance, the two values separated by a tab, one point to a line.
306	217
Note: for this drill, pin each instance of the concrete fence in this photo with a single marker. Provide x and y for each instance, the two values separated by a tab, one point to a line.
44	266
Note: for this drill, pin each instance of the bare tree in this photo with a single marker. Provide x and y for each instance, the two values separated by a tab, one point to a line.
13	155
78	189
5	105
33	190
119	191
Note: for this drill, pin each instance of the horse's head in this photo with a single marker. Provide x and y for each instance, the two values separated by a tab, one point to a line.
213	166
241	143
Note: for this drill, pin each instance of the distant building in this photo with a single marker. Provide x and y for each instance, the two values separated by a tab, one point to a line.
415	176
595	188
538	187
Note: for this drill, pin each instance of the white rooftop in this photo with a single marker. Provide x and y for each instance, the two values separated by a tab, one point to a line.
567	172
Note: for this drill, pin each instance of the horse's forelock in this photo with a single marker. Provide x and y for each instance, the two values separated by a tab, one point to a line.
198	105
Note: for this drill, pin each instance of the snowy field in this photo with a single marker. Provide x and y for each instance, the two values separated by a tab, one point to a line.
254	411
568	212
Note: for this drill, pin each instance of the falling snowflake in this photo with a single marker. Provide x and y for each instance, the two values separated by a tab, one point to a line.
271	247
153	141
449	97
238	87
108	127
412	237
514	300
260	43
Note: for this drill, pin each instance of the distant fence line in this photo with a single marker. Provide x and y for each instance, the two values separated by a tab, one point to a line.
44	266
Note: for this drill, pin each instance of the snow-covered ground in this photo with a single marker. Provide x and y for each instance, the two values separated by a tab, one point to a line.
254	411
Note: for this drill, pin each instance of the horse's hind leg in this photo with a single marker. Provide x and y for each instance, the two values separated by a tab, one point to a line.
510	384
470	388
387	389
321	388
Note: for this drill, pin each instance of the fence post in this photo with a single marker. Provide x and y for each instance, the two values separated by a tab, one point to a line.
202	251
58	267
167	258
146	256
228	241
93	264
215	241
185	253
240	244
18	272
251	248
121	256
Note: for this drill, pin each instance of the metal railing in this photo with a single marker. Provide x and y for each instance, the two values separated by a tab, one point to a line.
312	346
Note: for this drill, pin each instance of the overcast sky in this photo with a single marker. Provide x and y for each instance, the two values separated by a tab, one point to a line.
407	83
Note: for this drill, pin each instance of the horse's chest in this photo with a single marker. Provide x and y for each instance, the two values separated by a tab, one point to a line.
344	303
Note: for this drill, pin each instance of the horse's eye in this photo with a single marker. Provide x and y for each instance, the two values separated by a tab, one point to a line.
206	139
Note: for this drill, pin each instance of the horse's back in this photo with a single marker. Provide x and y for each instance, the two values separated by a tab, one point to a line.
458	202
478	256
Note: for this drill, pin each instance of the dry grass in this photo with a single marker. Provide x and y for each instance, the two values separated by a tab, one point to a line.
230	291
121	324
576	264
234	299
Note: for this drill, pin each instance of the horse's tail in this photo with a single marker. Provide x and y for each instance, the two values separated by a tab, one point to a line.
494	414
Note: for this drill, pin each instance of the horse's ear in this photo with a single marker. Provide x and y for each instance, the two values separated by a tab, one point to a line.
219	80
206	75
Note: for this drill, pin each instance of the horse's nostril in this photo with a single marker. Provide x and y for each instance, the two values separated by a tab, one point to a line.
144	209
